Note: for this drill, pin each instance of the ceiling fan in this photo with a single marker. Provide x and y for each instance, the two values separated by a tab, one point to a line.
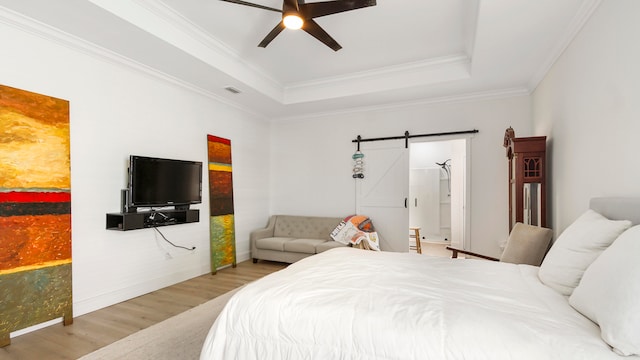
296	14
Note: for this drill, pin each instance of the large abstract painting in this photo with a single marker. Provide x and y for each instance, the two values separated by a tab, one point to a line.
35	211
222	227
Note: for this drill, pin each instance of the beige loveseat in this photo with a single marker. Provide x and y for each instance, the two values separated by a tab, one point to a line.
289	238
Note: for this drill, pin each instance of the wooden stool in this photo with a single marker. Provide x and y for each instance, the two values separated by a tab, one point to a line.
416	235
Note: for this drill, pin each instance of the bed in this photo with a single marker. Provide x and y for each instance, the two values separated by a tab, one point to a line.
348	303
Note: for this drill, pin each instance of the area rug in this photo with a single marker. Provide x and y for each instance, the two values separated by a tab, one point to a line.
179	337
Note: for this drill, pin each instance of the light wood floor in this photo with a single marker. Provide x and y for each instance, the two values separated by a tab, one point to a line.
97	329
432	249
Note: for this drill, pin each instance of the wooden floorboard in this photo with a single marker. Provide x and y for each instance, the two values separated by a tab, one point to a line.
92	331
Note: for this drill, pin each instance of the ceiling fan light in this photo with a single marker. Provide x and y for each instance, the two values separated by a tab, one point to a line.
292	22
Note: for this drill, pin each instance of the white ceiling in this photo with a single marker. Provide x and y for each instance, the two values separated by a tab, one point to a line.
399	51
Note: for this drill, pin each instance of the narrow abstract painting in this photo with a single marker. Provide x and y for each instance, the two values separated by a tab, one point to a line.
222	227
35	211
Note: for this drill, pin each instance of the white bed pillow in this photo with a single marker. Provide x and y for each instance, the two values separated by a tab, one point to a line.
576	248
609	293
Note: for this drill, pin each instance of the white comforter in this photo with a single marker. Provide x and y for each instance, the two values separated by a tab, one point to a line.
353	304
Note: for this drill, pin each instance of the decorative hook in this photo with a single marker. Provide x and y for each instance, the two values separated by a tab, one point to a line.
358	166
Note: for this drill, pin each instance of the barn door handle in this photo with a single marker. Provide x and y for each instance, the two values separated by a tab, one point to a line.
405	202
416	202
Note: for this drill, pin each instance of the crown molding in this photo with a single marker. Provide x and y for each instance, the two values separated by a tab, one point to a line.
580	19
162	21
419	73
453	99
74	43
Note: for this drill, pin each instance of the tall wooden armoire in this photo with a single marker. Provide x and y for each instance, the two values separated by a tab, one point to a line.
527	179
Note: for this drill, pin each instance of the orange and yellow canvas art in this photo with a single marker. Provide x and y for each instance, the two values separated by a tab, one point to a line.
35	210
222	226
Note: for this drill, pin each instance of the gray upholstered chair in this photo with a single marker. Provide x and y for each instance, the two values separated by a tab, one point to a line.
527	244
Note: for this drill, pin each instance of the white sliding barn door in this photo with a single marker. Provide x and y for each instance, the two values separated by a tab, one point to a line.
383	193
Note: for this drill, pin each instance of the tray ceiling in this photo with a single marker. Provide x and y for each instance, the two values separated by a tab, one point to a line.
395	52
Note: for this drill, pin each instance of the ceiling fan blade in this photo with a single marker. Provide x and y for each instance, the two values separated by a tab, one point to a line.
317	9
272	35
317	32
289	6
252	5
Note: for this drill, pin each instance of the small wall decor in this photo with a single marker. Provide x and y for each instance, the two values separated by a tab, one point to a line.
222	227
35	211
358	162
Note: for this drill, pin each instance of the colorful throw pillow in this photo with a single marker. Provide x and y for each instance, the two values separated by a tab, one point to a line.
344	232
357	231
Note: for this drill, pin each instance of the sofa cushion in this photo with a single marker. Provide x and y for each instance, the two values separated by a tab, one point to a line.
272	243
305	227
307	246
327	245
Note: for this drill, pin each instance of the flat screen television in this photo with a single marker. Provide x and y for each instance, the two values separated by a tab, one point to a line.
155	182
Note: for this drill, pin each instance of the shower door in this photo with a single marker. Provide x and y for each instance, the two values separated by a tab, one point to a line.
424	201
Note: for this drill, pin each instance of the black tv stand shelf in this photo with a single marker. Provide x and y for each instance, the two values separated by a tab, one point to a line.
150	219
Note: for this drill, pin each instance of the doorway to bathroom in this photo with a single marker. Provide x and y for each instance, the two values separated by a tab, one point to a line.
438	172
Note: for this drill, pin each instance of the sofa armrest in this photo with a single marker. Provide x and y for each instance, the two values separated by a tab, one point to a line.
266	232
261	234
455	252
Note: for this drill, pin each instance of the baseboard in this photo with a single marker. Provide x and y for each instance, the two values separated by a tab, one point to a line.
101	301
98	302
243	256
35	327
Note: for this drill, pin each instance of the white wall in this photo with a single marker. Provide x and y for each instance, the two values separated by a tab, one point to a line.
115	112
311	158
588	106
425	155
